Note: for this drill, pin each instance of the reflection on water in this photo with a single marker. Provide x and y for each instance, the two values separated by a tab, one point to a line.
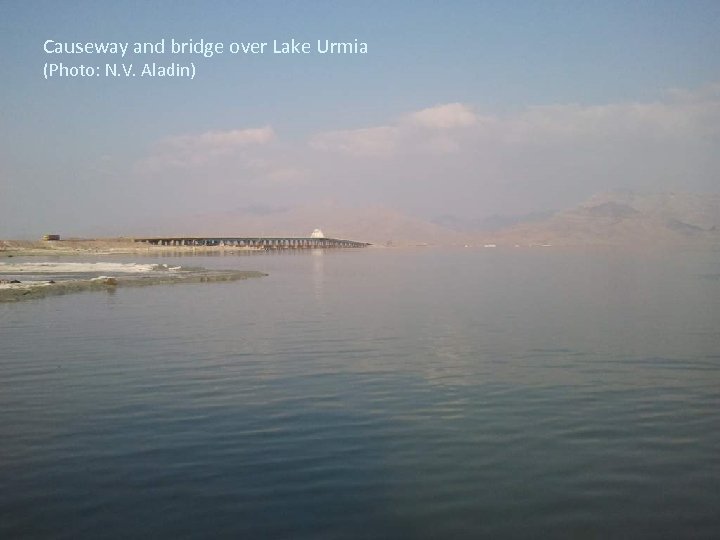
318	272
373	393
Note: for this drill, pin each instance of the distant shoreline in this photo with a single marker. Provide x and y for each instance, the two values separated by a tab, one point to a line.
74	247
101	246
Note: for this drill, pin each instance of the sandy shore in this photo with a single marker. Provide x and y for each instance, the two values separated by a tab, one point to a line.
103	246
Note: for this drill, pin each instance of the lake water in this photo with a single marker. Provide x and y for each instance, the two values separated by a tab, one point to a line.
371	394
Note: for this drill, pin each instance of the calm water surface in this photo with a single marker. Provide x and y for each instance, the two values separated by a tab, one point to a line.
371	394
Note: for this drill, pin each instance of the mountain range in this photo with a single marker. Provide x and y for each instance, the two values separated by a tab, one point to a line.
625	218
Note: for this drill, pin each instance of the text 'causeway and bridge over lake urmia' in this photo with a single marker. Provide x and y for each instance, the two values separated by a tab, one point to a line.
63	55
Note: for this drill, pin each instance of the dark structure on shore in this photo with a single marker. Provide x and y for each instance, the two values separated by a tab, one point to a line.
254	242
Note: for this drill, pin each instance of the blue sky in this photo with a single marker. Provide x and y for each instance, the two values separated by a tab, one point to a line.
498	59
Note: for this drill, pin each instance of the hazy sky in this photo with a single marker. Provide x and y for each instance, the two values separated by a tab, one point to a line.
467	108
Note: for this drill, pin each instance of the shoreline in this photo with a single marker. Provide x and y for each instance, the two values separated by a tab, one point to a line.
104	246
77	247
15	291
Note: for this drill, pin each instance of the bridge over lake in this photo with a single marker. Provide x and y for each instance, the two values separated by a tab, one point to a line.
255	242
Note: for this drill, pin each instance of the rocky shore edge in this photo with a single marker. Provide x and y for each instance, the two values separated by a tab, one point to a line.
28	290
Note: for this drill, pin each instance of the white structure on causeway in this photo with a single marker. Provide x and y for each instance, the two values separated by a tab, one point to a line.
317	233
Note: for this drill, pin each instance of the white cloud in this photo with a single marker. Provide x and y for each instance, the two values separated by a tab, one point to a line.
428	130
196	150
377	141
455	156
670	120
448	116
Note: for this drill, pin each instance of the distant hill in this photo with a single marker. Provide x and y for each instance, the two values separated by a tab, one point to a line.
494	222
624	219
